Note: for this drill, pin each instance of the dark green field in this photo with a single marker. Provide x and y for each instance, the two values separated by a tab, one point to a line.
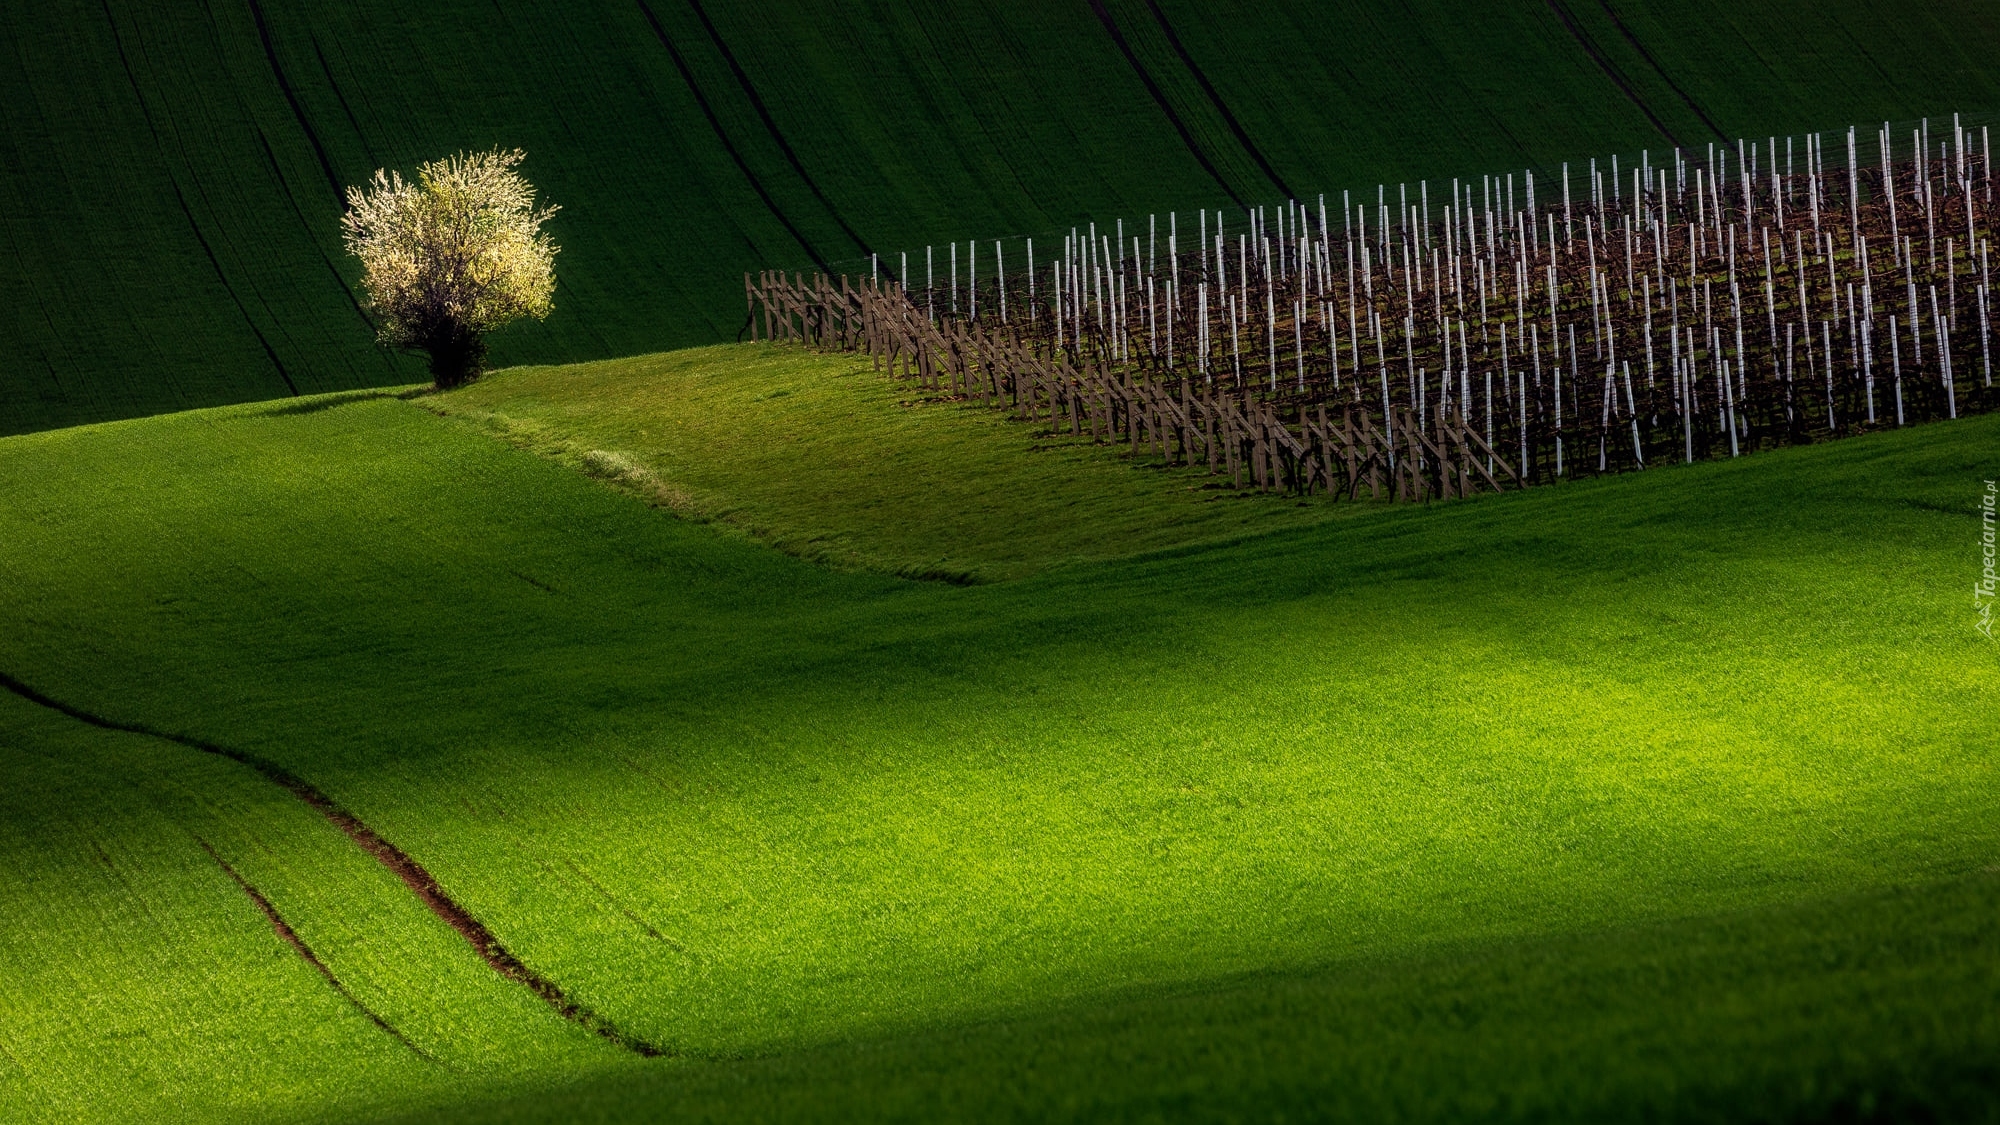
168	172
1669	795
671	728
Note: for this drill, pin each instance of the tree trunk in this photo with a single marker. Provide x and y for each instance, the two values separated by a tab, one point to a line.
457	353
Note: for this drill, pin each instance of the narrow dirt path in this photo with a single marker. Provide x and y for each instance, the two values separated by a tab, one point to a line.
412	873
291	937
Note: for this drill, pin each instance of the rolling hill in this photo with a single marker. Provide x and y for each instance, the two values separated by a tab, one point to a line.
170	175
1663	795
666	725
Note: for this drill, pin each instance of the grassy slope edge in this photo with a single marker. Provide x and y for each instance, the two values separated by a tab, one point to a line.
823	458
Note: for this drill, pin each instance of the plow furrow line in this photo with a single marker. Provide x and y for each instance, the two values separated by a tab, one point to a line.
291	937
722	135
412	873
1610	70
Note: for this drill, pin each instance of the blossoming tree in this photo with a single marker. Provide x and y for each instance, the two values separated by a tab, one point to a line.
452	256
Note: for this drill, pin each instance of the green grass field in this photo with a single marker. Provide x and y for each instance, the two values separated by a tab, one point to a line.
1668	796
825	459
169	173
868	754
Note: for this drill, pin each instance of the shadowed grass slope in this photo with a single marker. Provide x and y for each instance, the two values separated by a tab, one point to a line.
1752	1016
744	805
170	174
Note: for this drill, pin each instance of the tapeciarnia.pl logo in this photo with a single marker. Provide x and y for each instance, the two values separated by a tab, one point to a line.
1987	588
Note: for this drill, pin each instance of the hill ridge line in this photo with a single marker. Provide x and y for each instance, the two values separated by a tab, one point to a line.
414	876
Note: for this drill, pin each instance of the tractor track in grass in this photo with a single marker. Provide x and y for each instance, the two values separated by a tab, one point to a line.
414	876
221	277
319	151
353	301
1686	98
1214	96
722	135
291	937
1160	98
298	111
1610	69
771	126
631	915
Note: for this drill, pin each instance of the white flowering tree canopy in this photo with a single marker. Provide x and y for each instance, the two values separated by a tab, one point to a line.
454	255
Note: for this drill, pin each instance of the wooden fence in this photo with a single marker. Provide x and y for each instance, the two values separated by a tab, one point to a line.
1335	449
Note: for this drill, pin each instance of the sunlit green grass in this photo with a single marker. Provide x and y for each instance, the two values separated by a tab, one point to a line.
826	459
142	983
744	804
1666	797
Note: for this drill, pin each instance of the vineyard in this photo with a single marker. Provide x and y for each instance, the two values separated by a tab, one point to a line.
1505	334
